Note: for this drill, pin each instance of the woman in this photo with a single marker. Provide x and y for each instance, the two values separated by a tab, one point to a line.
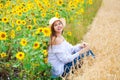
60	52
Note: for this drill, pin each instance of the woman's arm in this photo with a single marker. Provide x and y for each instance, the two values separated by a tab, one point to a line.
78	47
65	58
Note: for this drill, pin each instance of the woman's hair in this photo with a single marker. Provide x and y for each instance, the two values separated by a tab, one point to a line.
53	34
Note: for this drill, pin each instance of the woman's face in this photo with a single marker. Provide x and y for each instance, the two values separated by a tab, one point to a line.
58	26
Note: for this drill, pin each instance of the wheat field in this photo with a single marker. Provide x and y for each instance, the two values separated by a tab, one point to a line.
103	38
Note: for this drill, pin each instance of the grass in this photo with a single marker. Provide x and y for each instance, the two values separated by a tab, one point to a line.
79	29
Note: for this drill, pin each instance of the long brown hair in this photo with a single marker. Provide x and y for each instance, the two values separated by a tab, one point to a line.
53	34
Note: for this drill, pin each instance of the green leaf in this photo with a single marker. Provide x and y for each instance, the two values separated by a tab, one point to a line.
16	46
16	65
4	48
27	66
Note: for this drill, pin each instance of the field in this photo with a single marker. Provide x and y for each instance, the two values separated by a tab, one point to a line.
24	36
103	38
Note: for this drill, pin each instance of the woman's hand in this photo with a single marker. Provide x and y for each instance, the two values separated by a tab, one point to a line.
84	47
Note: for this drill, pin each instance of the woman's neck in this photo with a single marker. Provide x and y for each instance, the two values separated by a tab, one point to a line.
58	34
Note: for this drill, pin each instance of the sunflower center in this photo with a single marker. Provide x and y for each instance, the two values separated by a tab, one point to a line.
39	4
29	27
19	22
36	44
40	30
5	19
20	55
3	35
24	42
24	9
60	2
20	13
23	22
46	31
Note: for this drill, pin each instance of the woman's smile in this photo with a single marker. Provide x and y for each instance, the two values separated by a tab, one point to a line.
59	28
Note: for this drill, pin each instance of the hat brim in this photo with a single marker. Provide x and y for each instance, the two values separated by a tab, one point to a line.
62	20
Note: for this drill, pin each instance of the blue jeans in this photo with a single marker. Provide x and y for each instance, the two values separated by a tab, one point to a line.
68	66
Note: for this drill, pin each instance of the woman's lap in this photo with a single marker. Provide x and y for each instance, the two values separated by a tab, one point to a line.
67	67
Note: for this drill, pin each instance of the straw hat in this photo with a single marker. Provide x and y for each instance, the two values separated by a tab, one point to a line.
52	20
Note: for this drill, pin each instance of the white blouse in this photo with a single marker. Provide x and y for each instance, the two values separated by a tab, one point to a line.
61	54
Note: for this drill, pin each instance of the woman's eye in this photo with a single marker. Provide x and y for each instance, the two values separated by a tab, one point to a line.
55	25
59	24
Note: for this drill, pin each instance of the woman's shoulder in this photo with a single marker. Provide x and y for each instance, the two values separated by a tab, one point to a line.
57	40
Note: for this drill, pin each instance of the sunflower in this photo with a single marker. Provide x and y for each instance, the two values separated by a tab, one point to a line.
69	33
23	42
81	11
34	20
46	60
39	30
1	5
45	53
7	4
12	25
12	34
18	28
3	55
43	14
33	34
7	65
19	13
46	31
23	22
20	55
48	5
3	35
59	2
82	1
18	22
57	15
4	19
29	27
13	5
90	2
70	4
25	9
36	45
14	12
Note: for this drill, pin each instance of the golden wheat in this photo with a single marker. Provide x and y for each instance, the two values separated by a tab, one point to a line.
103	38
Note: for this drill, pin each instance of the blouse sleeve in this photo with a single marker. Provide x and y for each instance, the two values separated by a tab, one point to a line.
65	58
75	48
